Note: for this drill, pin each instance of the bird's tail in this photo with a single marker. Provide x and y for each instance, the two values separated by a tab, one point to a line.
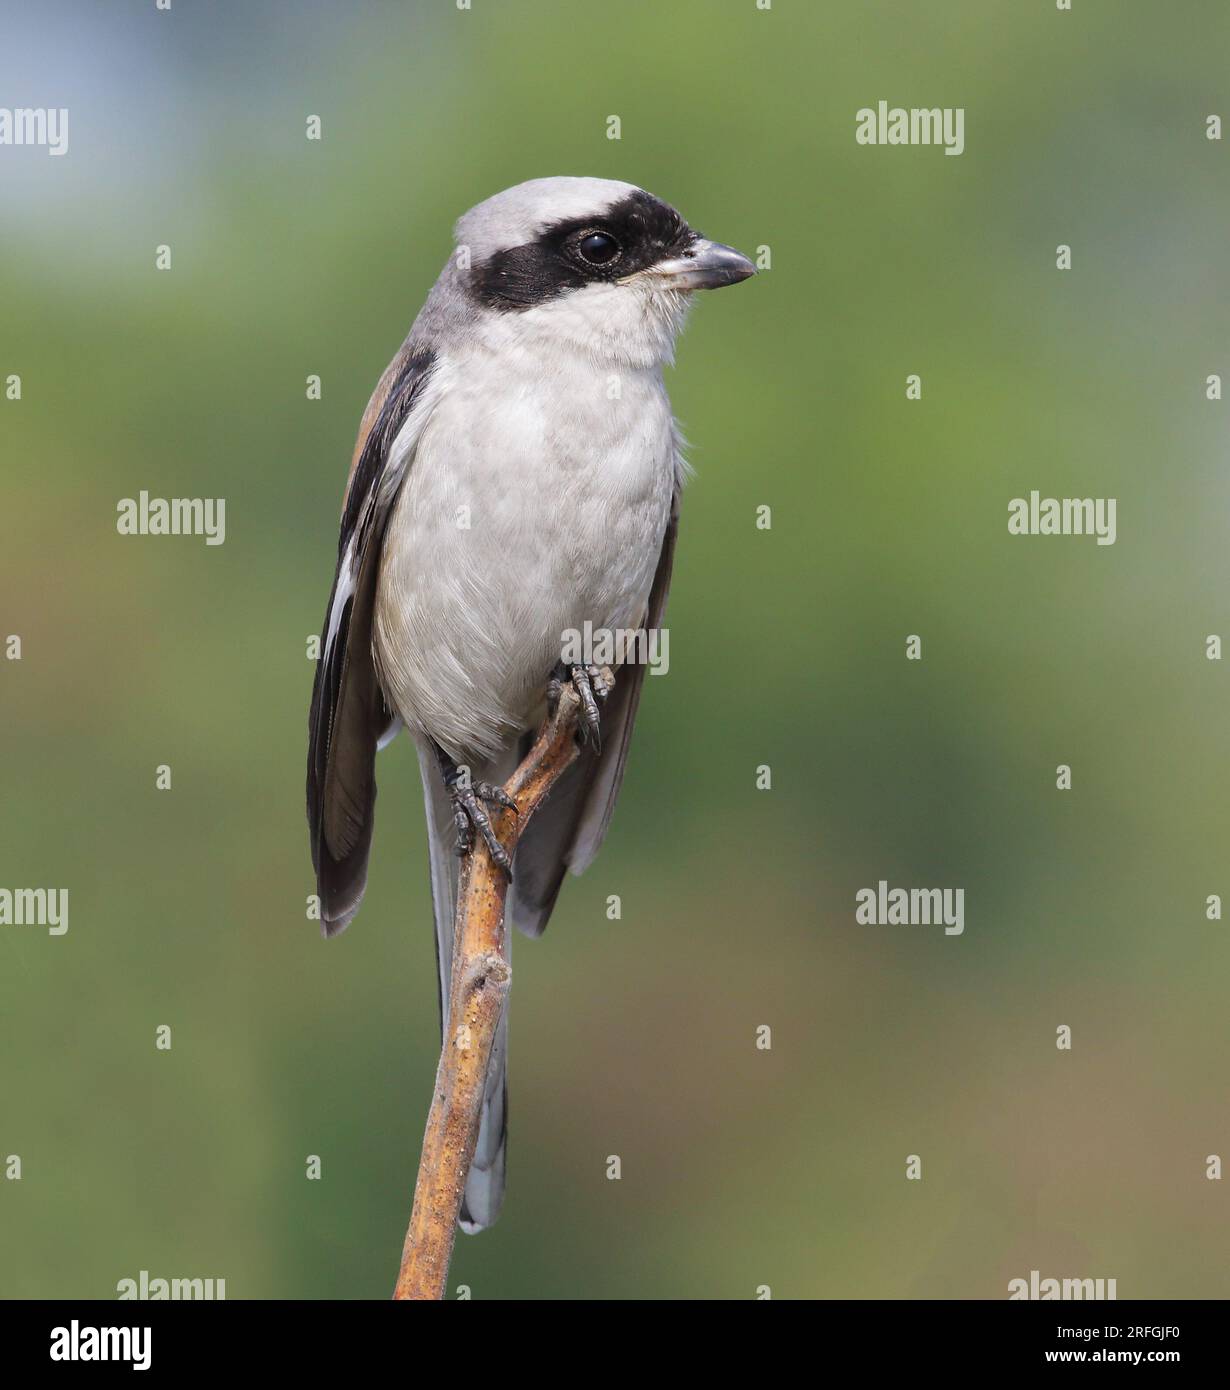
484	1192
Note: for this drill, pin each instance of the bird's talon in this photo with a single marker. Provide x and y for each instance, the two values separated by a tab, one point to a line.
470	815
592	686
589	728
486	791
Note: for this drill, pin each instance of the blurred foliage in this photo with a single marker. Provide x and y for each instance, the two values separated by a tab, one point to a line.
740	1167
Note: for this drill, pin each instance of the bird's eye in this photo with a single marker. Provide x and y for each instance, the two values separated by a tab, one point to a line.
598	249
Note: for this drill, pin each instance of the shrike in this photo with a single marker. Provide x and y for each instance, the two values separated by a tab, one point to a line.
516	476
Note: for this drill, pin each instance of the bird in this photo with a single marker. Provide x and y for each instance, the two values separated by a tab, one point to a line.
517	475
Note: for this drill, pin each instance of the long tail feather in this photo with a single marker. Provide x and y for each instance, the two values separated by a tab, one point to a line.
484	1192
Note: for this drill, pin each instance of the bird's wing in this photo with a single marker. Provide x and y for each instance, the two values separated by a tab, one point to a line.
348	713
568	829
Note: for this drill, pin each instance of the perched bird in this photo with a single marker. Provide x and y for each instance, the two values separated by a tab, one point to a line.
516	476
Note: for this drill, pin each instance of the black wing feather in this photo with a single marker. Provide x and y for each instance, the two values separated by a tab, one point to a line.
348	712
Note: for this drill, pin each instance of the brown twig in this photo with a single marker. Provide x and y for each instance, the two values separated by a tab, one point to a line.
480	984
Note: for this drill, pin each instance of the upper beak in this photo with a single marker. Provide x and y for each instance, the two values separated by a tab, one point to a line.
705	265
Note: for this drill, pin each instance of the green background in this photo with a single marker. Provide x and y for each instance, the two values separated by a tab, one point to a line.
741	1167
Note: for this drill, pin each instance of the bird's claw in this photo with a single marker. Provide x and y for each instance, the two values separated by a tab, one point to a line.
470	812
592	686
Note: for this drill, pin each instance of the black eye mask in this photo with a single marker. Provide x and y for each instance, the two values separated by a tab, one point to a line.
633	234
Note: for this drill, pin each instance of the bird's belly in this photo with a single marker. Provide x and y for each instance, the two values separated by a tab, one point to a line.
515	527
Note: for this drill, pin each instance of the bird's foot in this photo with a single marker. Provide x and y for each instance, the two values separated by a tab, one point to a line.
470	801
593	685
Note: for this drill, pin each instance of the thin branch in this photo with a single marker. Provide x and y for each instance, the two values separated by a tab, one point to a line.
479	989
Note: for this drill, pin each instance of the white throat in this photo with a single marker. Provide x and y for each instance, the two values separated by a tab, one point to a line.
629	325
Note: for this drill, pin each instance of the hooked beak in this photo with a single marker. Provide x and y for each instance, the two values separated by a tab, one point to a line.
705	265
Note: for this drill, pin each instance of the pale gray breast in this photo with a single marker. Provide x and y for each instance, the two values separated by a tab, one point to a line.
536	502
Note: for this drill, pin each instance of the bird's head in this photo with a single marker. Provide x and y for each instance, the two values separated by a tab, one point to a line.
593	264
